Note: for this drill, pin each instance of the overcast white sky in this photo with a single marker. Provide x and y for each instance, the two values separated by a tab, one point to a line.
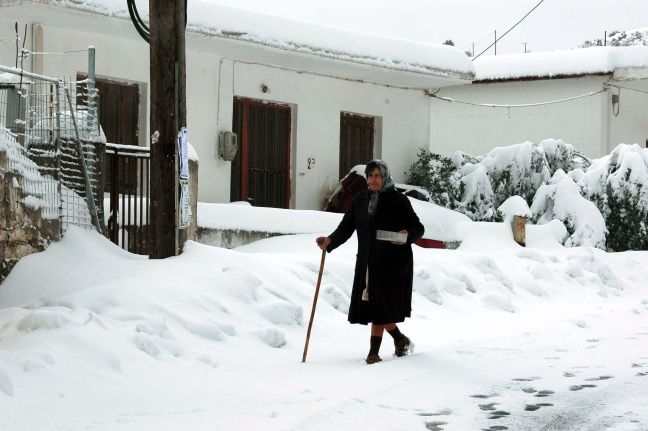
555	24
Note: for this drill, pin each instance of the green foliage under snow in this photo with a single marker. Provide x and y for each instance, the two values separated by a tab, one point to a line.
608	196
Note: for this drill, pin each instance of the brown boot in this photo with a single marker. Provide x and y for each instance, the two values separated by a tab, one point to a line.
374	348
372	359
403	346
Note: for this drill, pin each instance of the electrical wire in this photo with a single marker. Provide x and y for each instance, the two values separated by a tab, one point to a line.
28	52
507	31
523	105
139	23
627	88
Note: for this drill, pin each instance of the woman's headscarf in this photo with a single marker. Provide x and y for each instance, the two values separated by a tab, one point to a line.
388	182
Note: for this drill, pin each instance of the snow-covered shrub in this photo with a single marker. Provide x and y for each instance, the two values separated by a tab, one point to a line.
561	199
516	170
592	198
561	155
514	206
621	38
618	185
478	200
436	174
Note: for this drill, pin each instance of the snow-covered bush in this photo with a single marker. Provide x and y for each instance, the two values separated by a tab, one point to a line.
621	38
514	206
618	185
516	170
478	200
436	174
478	186
606	196
561	199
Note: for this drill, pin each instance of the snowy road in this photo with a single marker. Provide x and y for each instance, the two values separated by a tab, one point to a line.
92	338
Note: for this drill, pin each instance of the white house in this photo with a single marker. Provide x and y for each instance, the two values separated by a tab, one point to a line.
306	101
607	100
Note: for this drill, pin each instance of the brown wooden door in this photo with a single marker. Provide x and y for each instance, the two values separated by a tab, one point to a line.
356	141
119	119
261	168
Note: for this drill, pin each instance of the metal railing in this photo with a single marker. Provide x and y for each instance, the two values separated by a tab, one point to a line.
55	145
128	205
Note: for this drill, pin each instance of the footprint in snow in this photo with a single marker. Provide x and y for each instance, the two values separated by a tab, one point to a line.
441	412
544	393
490	407
595	379
525	379
580	387
534	407
483	396
435	425
498	414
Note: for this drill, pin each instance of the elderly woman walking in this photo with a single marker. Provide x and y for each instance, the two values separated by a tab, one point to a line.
382	286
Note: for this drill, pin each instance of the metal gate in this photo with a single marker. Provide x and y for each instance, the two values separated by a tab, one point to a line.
128	202
47	129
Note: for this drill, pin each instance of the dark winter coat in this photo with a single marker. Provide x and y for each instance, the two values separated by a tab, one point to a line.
390	265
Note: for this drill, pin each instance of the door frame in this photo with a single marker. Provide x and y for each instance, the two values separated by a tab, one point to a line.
244	144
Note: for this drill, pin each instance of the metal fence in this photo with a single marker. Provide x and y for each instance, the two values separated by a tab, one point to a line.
55	143
128	168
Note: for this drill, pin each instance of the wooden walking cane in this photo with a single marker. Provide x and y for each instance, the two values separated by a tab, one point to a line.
310	323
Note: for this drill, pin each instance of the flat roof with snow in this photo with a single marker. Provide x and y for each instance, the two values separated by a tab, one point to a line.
357	55
559	64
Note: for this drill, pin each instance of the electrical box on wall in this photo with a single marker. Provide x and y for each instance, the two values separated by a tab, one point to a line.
227	145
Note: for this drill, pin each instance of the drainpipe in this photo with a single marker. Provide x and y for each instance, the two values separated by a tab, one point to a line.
36	46
608	120
92	99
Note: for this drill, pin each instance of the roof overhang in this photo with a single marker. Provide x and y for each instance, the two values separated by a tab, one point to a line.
317	64
235	46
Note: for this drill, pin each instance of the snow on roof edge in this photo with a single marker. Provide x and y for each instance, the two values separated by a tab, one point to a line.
404	55
559	64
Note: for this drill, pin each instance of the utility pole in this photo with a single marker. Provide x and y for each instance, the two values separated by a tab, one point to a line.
495	42
525	50
168	114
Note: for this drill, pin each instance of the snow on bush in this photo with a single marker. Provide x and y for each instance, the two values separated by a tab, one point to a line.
478	186
436	174
618	185
560	199
593	198
514	206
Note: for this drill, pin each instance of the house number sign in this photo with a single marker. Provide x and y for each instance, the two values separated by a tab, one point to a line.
311	162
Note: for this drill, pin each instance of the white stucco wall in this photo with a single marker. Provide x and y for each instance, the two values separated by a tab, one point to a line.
476	130
630	126
121	55
405	119
316	101
402	116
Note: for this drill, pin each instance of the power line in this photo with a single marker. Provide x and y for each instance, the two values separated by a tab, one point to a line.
523	105
627	88
507	31
27	52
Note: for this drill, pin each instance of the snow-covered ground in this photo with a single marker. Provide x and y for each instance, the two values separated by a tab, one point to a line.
546	338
